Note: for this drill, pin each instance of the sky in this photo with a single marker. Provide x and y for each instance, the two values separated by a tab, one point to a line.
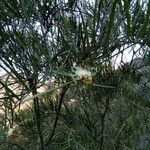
127	55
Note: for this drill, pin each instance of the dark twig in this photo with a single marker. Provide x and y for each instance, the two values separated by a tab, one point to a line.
32	85
50	137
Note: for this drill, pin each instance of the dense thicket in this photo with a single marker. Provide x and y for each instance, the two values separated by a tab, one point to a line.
70	47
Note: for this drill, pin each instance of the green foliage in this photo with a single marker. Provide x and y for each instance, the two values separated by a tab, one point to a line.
41	40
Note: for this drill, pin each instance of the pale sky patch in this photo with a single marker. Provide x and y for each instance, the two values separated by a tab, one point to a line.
127	55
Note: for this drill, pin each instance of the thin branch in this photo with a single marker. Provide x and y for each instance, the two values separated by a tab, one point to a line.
50	137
